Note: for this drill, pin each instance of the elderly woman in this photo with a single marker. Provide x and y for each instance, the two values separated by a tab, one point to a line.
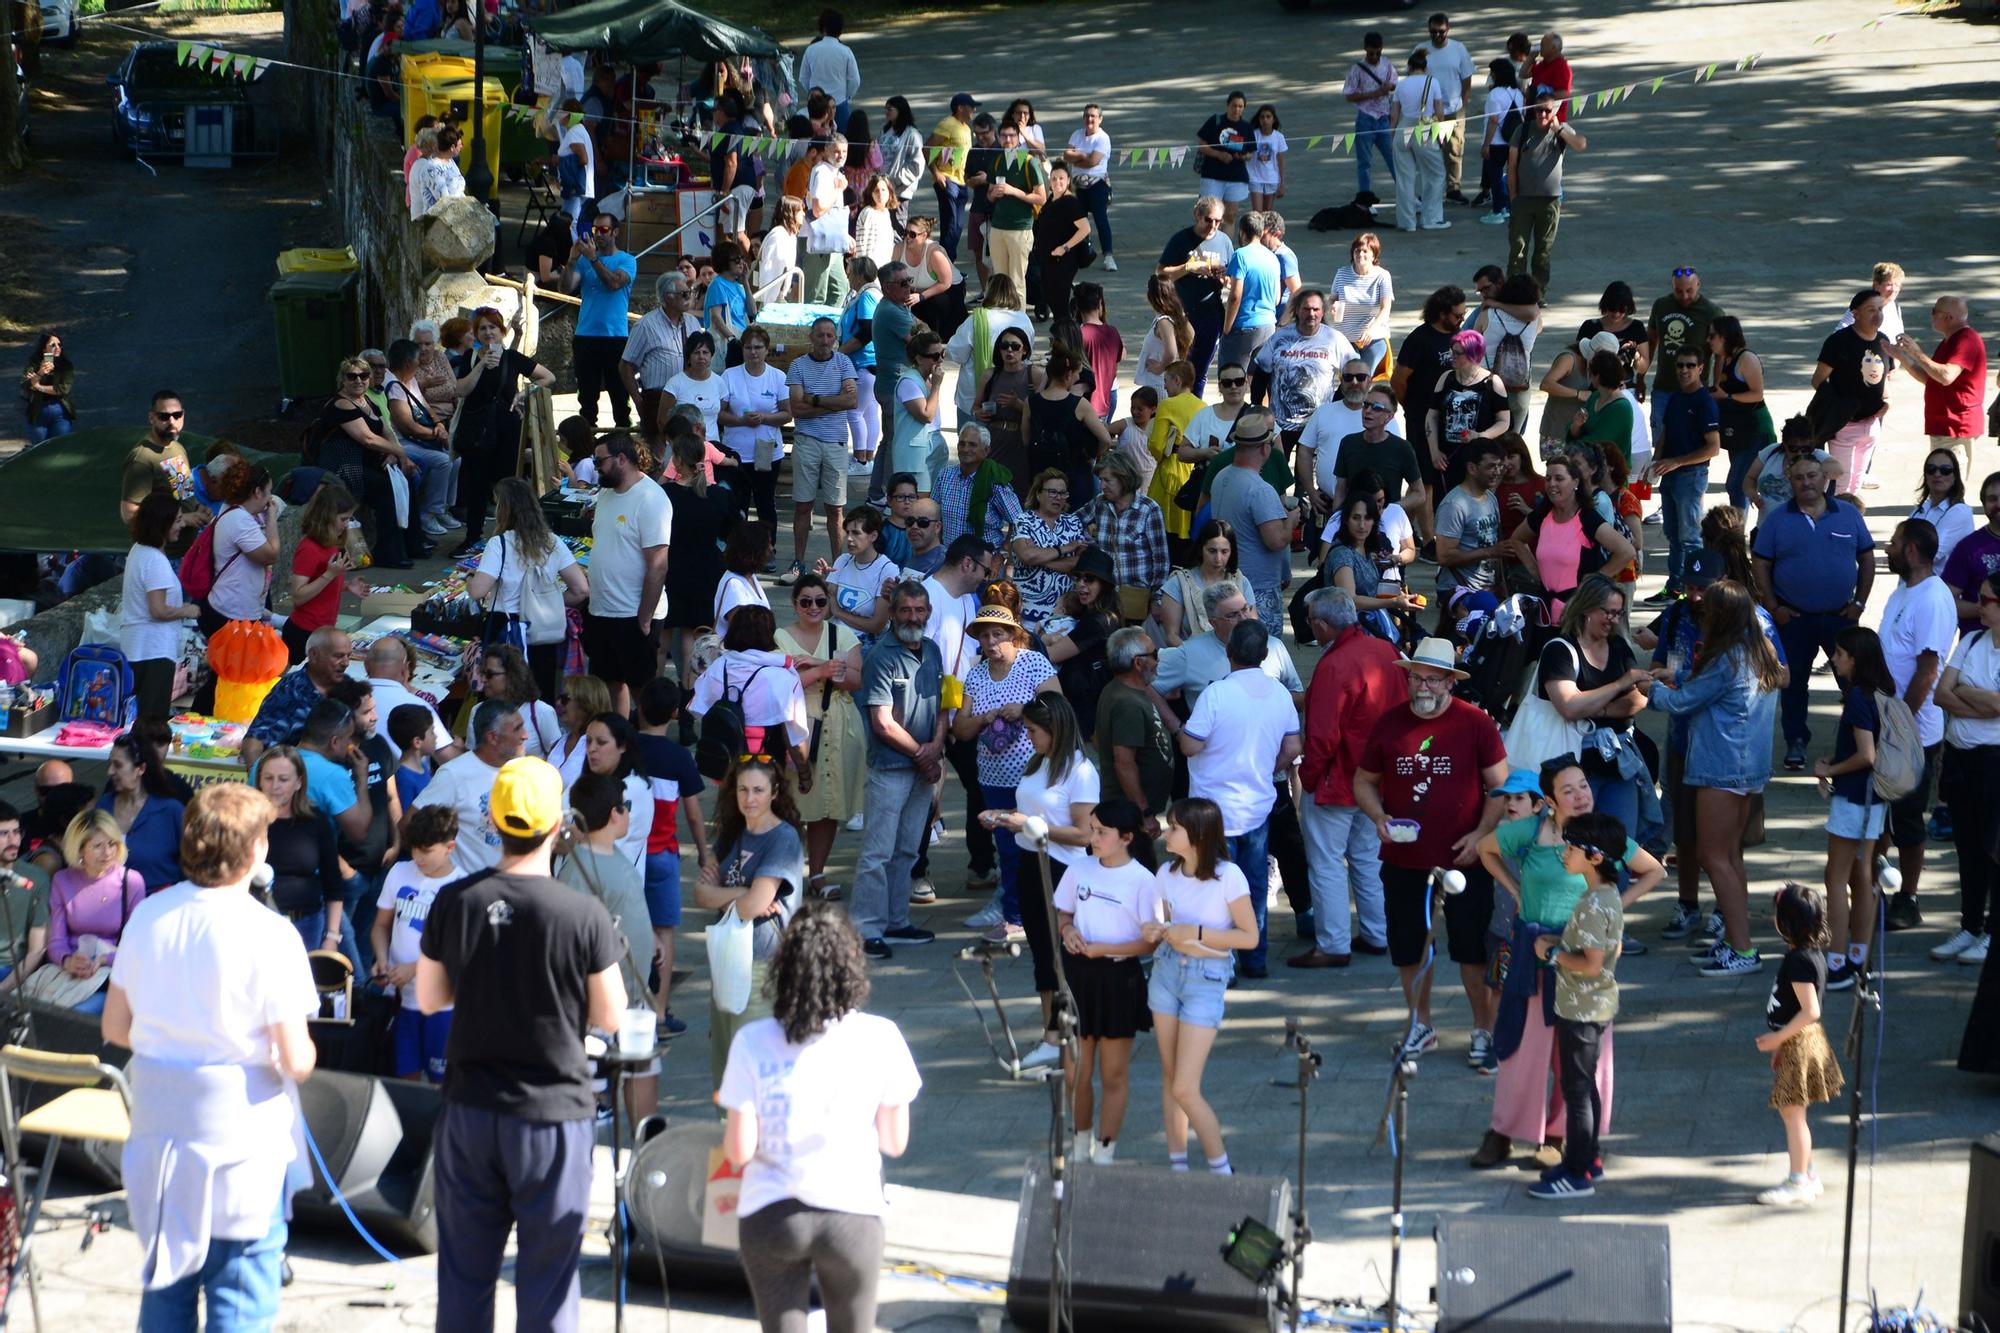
352	441
306	885
582	698
435	376
827	659
211	992
1525	858
140	797
1131	527
492	383
827	239
1006	675
505	676
153	607
1047	540
773	701
1184	608
1362	295
90	905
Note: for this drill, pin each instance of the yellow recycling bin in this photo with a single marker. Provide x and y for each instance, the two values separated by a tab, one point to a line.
318	261
453	96
417	67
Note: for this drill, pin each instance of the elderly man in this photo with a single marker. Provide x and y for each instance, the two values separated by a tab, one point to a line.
977	496
284	709
1423	778
1356	683
1135	745
1953	376
1130	526
466	784
902	678
390	665
824	386
1815	563
926	539
1262	518
1243	731
655	350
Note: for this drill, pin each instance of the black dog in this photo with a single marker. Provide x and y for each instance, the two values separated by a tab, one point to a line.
1356	216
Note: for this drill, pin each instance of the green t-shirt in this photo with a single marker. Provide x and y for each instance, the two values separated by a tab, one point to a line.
1548	892
1610	423
149	468
1127	717
1012	214
28	909
1598	922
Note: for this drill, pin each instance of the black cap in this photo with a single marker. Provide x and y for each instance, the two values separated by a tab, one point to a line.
1703	568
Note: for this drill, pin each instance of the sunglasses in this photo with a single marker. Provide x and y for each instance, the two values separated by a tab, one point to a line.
1376	407
623	807
1234	383
1940	470
1688	365
355	375
923	522
814	603
563	699
170	416
756	759
600	231
1362	378
1684	273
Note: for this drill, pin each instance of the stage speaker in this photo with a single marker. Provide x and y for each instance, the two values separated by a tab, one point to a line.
664	1189
1979	1278
375	1136
1145	1248
50	1028
1514	1274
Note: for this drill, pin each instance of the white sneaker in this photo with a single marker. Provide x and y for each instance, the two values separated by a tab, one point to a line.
1421	1038
922	892
1957	945
1046	1055
1976	955
1795	1190
1103	1153
1084	1146
856	824
1110	263
434	526
937	830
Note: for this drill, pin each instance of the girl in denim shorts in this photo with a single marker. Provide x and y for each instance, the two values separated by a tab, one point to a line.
1855	815
1199	913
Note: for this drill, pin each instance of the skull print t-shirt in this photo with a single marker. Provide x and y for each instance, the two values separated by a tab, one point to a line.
1428	771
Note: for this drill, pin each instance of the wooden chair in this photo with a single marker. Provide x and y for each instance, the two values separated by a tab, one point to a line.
97	1106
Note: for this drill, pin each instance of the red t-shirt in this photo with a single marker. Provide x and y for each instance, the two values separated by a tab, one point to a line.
309	563
1429	771
1555	76
1104	349
1953	409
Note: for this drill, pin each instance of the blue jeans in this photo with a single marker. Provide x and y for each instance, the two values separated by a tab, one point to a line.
240	1279
1251	852
47	422
1008	854
1618	798
951	197
1682	493
1496	160
1096	197
1805	636
311	928
1739	468
1371	135
427	492
897	802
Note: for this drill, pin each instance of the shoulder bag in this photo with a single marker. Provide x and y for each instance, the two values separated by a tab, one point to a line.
1540	733
825	695
500	627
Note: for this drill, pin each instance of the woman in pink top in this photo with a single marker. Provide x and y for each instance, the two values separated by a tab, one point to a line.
90	902
1554	545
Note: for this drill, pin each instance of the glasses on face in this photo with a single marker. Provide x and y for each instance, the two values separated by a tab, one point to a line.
1374	407
171	416
563	700
491	672
1235	382
923	523
600	231
904	498
1361	378
355	375
1684	273
1051	493
1940	470
1688	365
930	356
811	603
1432	683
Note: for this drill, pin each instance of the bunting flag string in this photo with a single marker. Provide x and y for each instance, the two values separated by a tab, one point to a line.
215	60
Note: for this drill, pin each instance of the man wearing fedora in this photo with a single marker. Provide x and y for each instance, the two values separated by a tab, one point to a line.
1423	778
1262	518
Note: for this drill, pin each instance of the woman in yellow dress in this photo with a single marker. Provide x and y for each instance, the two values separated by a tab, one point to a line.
828	659
1178	407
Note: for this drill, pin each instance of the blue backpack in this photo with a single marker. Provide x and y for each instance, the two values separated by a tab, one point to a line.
95	685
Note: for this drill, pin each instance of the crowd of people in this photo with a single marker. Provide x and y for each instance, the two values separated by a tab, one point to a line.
1070	583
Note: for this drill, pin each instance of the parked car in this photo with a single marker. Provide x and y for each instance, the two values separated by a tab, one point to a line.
152	92
60	22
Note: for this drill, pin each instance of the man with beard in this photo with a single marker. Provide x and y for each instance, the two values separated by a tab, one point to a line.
1319	442
1918	627
160	462
1976	556
1300	360
902	678
1423	778
1679	321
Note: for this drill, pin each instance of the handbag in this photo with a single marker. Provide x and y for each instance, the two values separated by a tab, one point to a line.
1084	253
498	627
1538	732
825	695
827	233
729	949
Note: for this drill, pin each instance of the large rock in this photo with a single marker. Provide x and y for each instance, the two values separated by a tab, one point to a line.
453	294
458	234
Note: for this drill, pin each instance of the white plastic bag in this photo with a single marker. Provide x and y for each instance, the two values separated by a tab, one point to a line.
729	942
399	488
101	626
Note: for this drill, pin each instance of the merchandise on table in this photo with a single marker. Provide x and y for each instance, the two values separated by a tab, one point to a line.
197	736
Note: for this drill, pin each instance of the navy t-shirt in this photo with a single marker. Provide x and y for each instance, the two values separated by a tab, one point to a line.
1857	711
1689	416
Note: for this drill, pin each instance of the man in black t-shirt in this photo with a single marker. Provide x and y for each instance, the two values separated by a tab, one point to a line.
1196	259
528	966
982	165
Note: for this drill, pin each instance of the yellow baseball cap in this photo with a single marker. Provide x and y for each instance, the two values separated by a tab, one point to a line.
527	798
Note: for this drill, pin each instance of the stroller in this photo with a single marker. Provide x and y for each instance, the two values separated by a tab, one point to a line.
1496	640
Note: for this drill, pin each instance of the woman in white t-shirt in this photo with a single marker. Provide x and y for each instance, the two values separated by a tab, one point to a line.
778	254
697	384
1941	503
582	698
756	404
747	551
153	606
1418	100
246	546
1267	161
817	1095
1362	296
1058	790
860	580
531	573
1971	771
1199	912
1100	915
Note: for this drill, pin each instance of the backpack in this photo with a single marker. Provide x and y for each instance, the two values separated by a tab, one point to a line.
1510	360
1899	756
95	685
724	733
197	569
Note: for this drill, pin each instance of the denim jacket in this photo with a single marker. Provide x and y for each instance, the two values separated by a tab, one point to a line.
1730	720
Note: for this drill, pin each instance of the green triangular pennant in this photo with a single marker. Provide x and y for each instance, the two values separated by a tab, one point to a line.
1347	142
1657	82
1315	141
180	53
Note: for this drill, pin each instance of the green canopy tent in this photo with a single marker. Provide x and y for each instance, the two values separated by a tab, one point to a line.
644	32
63	495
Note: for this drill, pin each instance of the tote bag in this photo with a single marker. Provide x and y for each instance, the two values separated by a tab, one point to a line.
729	948
1540	733
542	604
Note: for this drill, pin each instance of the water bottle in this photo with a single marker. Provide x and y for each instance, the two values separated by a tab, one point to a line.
6	703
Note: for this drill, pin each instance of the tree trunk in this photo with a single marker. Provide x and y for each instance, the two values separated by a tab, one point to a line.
11	157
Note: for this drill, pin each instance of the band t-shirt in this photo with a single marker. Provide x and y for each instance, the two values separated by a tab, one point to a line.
1219	131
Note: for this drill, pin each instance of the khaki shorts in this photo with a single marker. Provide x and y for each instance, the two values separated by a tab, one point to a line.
734	211
819	471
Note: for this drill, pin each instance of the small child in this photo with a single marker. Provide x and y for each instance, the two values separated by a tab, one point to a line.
410	732
1130	433
1585	957
407	894
1521	798
1803	1066
1267	162
677	786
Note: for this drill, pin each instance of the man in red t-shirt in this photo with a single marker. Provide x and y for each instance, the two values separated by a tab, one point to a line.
1954	379
1551	74
1424	778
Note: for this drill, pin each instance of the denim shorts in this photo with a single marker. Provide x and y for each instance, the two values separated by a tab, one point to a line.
1863	823
663	888
1189	989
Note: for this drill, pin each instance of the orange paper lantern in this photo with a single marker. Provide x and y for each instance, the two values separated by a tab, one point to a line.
247	651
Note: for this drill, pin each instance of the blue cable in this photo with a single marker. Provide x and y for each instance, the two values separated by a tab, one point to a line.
341	1199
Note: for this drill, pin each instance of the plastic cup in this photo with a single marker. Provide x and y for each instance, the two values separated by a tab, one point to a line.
1404	830
636	1029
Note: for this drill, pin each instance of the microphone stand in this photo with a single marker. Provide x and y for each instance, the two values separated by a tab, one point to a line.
1308	1070
1867	997
1394	1124
1062	1111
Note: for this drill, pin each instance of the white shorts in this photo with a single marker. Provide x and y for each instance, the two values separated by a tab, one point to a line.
1229	192
819	470
734	211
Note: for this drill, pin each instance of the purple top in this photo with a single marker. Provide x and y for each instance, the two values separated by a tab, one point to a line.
79	906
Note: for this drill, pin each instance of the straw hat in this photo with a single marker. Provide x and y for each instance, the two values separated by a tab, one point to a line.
1436	654
992	614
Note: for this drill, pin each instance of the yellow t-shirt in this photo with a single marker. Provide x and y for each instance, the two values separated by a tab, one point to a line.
956	135
1170	423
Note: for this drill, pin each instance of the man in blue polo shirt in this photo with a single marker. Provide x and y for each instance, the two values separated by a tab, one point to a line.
1690	435
1815	563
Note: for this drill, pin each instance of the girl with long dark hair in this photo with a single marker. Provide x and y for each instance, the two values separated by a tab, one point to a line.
611	747
46	382
1855	815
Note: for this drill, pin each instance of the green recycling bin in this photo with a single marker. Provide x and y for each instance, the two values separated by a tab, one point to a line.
319	324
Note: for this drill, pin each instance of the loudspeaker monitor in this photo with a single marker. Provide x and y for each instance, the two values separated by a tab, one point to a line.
375	1136
1145	1248
1979	1278
1519	1275
664	1191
